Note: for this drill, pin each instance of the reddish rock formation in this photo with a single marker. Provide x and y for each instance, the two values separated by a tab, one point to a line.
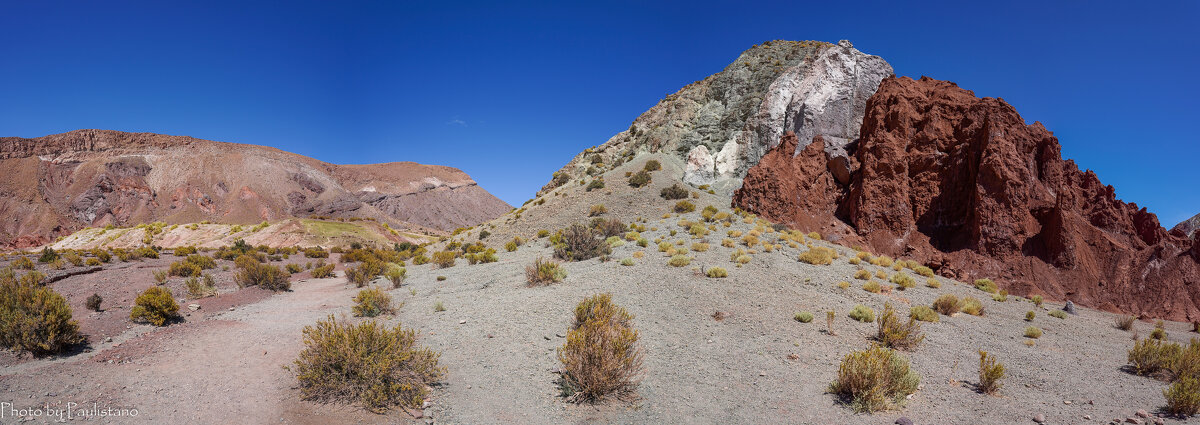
57	184
963	184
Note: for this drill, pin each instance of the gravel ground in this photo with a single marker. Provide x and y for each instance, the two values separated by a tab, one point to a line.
498	339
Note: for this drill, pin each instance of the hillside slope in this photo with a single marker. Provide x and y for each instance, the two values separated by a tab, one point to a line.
56	184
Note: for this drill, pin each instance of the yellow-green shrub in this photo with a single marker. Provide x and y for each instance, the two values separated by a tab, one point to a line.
862	313
875	379
365	363
544	272
985	285
893	333
155	306
818	256
947	304
34	317
601	355
972	306
372	302
990	373
263	276
716	272
872	287
923	313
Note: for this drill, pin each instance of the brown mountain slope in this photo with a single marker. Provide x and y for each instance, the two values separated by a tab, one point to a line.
965	185
56	184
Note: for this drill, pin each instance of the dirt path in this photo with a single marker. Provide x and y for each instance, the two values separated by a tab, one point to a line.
226	368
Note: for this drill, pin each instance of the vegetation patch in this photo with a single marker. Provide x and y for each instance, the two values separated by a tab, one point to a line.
155	306
601	356
875	379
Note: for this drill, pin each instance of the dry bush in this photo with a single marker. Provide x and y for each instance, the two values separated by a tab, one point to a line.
986	285
580	243
862	313
947	304
716	272
933	283
365	363
198	288
923	271
639	179
1125	323
862	275
875	379
372	302
972	306
1033	332
652	165
1153	357
444	259
674	192
872	287
93	302
322	271
544	272
1183	396
903	281
253	273
893	333
684	207
924	314
679	260
990	373
395	274
597	210
601	356
155	306
183	269
818	256
34	318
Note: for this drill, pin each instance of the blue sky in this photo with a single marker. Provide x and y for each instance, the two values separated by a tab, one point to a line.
509	92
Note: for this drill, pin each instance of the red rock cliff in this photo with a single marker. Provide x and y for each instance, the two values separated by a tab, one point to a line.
964	185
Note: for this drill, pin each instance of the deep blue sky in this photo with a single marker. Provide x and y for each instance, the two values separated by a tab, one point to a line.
510	92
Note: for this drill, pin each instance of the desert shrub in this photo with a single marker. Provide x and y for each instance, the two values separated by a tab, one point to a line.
1033	332
511	246
365	272
92	262
1001	296
843	285
985	285
145	252
183	269
93	302
903	281
545	271
444	259
184	251
1151	356
674	192
202	261
1125	322
923	313
441	278
972	306
947	304
601	355
596	210
700	247
155	306
652	165
34	318
1029	316
862	313
803	317
716	272
893	333
639	179
684	207
322	271
293	268
580	243
862	275
541	233
596	183
316	252
1058	314
679	260
161	276
263	276
1159	334
880	274
396	275
365	363
933	283
198	288
22	263
923	271
874	379
818	256
48	255
608	227
1183	396
372	302
990	373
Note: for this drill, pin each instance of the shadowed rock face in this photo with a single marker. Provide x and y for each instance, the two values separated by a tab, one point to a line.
964	185
1188	227
721	126
56	184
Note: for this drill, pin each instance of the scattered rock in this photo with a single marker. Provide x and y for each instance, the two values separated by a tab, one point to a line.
1069	307
1039	418
1133	420
193	307
462	322
1067	402
903	421
1141	413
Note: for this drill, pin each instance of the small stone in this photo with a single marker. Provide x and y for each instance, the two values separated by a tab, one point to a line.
426	404
560	335
193	307
490	336
903	421
1066	401
1039	418
108	339
230	308
462	322
1159	421
1133	420
1142	414
1087	417
547	337
417	413
1069	307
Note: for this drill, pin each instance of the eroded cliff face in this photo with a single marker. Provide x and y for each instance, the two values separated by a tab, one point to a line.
721	126
964	185
56	184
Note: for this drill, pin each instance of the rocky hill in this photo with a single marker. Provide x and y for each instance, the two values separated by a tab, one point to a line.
1188	227
963	184
797	132
60	183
